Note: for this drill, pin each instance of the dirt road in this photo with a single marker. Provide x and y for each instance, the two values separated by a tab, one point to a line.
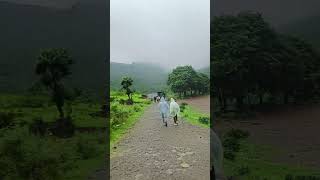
201	103
151	151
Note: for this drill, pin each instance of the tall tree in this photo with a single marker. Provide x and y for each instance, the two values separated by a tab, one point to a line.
182	80
126	83
53	66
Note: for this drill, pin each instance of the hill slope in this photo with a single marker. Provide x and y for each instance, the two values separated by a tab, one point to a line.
146	77
25	29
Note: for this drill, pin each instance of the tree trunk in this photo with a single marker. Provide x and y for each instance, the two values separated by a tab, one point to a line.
61	113
222	101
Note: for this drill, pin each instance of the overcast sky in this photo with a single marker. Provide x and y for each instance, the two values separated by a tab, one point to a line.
277	12
168	32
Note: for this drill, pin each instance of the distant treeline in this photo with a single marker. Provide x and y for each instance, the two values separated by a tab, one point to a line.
253	64
185	81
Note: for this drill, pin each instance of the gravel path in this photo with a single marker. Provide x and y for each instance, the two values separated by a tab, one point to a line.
151	151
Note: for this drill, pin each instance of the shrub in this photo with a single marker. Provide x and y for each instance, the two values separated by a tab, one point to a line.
63	128
204	120
6	119
237	134
25	156
243	170
136	108
231	142
183	106
122	101
38	127
118	114
86	148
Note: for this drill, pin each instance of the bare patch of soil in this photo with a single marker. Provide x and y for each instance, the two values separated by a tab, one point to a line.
201	103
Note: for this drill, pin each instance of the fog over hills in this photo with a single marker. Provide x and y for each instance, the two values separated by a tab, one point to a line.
59	4
277	12
26	29
297	17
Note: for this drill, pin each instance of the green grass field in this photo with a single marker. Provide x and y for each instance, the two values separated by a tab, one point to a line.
253	162
70	158
192	116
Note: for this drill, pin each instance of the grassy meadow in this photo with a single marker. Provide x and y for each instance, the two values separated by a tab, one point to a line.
28	154
253	162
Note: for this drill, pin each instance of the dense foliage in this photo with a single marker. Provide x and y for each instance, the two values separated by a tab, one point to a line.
124	115
253	64
126	83
185	80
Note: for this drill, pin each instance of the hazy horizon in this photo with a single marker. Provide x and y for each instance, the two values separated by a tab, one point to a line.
169	33
276	12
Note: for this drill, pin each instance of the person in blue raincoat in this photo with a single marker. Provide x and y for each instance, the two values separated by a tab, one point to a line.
164	110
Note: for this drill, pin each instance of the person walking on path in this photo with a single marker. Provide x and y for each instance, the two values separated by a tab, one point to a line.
164	110
174	110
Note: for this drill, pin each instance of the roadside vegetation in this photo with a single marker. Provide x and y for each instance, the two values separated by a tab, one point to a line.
193	116
248	161
126	107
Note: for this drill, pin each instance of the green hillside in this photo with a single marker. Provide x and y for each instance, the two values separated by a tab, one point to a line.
26	29
146	77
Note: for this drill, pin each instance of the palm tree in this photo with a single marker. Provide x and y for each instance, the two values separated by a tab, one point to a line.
53	66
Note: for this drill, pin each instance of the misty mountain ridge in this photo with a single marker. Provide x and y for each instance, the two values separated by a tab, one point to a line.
26	29
307	28
146	77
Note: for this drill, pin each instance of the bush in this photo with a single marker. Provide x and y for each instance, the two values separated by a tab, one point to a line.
25	156
243	170
184	104
204	120
231	142
137	108
63	128
86	148
118	114
6	119
38	127
237	134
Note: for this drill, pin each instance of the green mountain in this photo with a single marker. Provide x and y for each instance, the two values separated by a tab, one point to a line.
26	29
306	28
146	77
